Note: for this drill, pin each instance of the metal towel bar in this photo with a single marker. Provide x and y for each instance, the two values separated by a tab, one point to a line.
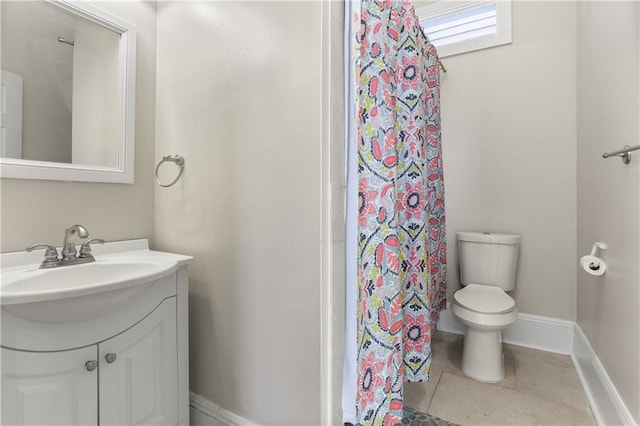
178	160
625	153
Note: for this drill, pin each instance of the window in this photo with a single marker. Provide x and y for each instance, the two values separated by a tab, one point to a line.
456	27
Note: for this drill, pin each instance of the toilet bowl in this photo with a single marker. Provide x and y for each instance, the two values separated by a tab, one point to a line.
485	311
487	269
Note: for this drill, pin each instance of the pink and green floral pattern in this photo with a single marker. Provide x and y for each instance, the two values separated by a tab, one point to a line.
401	226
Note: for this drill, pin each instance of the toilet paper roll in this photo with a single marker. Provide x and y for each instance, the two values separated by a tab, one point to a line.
593	265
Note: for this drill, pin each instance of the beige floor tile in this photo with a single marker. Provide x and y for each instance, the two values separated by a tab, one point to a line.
550	376
418	395
534	354
468	402
446	352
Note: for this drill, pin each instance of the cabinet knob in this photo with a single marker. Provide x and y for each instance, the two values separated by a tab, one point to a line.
91	365
110	357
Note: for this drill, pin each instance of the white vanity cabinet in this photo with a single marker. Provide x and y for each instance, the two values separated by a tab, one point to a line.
138	372
40	388
137	383
127	365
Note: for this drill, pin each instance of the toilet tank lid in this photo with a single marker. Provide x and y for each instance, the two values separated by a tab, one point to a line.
488	237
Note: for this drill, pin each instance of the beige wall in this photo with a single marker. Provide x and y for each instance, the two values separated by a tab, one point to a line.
608	190
39	211
509	142
239	96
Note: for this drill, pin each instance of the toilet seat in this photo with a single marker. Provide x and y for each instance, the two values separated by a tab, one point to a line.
484	299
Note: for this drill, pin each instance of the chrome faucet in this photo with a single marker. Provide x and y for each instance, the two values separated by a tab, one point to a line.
68	252
68	245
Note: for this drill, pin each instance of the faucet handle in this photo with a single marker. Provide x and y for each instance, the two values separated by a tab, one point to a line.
85	248
50	255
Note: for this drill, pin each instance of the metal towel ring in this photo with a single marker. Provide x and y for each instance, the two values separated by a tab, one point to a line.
179	160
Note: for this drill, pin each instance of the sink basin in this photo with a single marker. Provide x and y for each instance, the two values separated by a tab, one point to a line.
30	284
78	292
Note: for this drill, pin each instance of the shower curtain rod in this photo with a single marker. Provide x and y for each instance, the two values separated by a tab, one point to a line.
64	40
442	65
438	58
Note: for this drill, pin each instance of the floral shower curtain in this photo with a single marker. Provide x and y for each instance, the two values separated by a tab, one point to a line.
401	222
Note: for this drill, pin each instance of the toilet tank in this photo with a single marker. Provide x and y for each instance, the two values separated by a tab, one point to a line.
488	259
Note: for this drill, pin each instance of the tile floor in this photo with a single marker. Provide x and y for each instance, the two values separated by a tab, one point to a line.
540	388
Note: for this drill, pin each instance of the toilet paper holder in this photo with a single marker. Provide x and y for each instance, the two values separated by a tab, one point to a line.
591	263
597	246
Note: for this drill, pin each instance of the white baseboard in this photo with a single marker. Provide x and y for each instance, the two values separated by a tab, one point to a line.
543	333
606	404
206	413
532	331
198	418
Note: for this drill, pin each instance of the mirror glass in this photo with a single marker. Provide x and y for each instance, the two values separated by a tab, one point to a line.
64	90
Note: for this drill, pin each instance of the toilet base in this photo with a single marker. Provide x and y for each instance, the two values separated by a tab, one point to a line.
482	357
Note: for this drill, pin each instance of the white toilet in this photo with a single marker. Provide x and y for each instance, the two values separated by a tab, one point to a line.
487	269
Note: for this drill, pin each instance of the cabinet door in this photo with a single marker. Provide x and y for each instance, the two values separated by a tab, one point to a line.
138	372
49	388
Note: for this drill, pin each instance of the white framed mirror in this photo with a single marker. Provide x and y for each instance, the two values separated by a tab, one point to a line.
67	92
